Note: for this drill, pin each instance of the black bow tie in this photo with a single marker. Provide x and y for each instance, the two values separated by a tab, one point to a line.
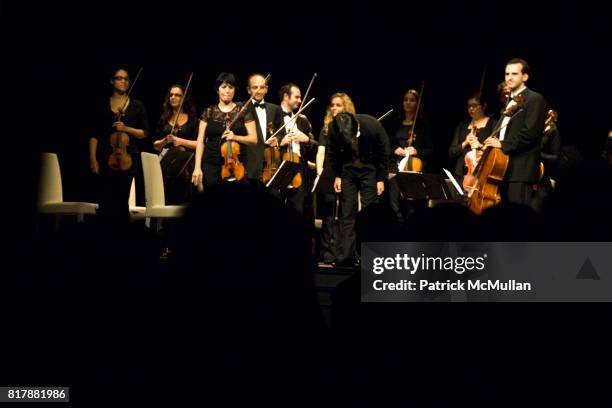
287	114
259	105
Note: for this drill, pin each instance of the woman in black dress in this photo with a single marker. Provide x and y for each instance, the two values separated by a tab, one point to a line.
470	135
212	132
421	146
177	148
119	113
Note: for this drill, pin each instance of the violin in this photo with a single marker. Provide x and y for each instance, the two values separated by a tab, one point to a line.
483	186
120	159
292	156
271	158
232	169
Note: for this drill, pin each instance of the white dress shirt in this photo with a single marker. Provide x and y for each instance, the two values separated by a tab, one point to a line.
506	119
262	118
292	128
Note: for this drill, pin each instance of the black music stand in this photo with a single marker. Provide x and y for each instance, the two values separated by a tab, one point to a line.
284	175
423	186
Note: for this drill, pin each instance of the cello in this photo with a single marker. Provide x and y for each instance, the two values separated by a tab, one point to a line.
120	159
483	186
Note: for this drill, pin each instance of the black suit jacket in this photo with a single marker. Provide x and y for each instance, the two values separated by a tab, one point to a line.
523	137
373	148
255	153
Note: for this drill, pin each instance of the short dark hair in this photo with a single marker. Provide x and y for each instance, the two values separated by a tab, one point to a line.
286	89
525	69
225	77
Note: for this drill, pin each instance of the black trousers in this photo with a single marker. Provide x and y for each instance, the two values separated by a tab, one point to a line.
519	193
331	232
355	180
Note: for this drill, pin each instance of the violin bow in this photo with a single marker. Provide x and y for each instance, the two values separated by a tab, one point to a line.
482	81
416	115
178	112
296	115
246	105
308	89
127	96
390	111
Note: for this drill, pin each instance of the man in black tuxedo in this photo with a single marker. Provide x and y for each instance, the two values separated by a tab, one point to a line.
268	117
520	136
358	156
297	135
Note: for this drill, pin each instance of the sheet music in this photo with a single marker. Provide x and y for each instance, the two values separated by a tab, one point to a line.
452	179
277	172
316	181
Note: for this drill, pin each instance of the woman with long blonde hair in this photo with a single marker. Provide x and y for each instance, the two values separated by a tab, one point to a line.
331	237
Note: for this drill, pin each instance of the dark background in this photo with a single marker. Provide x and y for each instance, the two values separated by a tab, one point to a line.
57	60
60	57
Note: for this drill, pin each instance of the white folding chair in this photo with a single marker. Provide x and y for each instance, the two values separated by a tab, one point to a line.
136	212
50	194
154	191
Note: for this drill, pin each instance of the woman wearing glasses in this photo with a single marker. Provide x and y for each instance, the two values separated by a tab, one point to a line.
177	144
113	152
213	132
470	135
